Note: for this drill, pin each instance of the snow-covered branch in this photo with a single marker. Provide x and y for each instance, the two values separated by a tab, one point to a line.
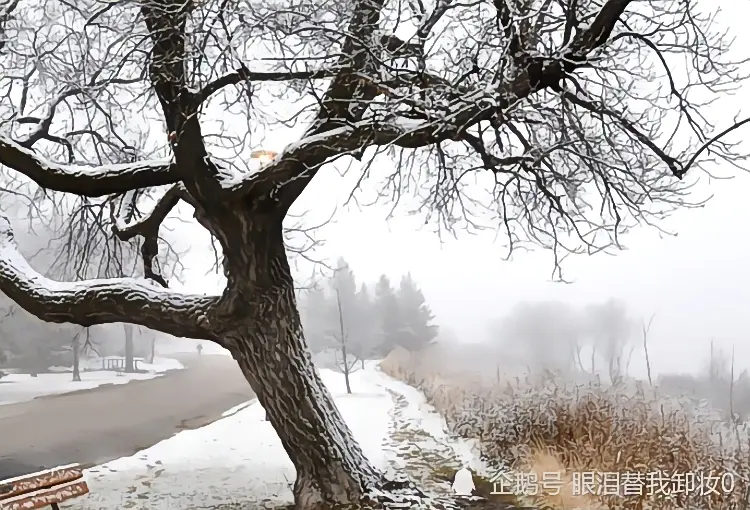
89	181
297	165
100	301
245	75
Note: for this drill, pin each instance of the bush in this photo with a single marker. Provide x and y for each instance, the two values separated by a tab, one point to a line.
536	425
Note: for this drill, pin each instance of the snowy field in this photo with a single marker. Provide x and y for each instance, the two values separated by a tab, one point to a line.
22	387
238	461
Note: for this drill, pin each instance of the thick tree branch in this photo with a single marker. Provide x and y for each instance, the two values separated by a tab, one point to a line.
101	301
89	181
296	166
166	21
348	95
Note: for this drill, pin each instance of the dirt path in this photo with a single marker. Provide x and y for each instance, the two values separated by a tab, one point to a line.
101	424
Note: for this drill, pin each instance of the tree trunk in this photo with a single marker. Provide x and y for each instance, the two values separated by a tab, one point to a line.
262	330
76	357
129	365
593	359
346	369
153	350
343	338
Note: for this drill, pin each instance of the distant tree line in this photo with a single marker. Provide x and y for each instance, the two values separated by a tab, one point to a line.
370	320
554	336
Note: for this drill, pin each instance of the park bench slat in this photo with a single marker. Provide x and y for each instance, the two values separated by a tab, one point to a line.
46	497
39	480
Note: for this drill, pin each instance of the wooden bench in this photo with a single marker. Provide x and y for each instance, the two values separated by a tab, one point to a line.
118	364
44	488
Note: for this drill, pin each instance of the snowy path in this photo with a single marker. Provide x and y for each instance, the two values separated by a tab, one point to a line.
418	445
238	462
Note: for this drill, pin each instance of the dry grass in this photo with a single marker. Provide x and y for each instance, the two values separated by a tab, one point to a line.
622	437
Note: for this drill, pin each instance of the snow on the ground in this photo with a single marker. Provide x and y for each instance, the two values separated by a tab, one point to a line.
239	462
419	446
22	387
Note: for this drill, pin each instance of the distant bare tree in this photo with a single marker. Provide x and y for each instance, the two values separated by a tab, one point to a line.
152	351
611	328
76	348
718	367
553	103
348	360
645	328
129	354
547	335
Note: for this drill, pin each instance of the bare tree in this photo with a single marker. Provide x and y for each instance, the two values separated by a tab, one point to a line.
348	361
553	101
152	351
645	328
610	328
129	355
546	334
76	348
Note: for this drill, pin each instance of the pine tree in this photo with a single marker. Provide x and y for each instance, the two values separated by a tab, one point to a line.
367	326
315	309
388	315
417	330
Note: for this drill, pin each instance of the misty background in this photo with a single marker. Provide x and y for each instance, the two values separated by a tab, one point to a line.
695	283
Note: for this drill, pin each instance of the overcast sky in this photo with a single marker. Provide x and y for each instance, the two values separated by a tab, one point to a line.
696	283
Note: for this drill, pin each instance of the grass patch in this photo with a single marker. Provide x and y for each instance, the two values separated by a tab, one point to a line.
546	425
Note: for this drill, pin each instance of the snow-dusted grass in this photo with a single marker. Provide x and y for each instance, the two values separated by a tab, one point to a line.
534	426
16	388
239	462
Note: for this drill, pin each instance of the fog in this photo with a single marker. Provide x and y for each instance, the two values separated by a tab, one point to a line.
516	261
694	282
689	271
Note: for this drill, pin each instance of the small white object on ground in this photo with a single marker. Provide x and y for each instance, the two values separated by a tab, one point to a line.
463	483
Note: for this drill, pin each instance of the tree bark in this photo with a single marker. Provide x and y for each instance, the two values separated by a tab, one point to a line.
266	339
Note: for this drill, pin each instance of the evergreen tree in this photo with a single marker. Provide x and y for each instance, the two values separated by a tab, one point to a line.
367	325
388	315
344	281
344	285
315	309
417	330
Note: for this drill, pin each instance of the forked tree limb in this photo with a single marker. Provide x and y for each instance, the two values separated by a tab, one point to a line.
152	221
148	228
297	165
101	301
